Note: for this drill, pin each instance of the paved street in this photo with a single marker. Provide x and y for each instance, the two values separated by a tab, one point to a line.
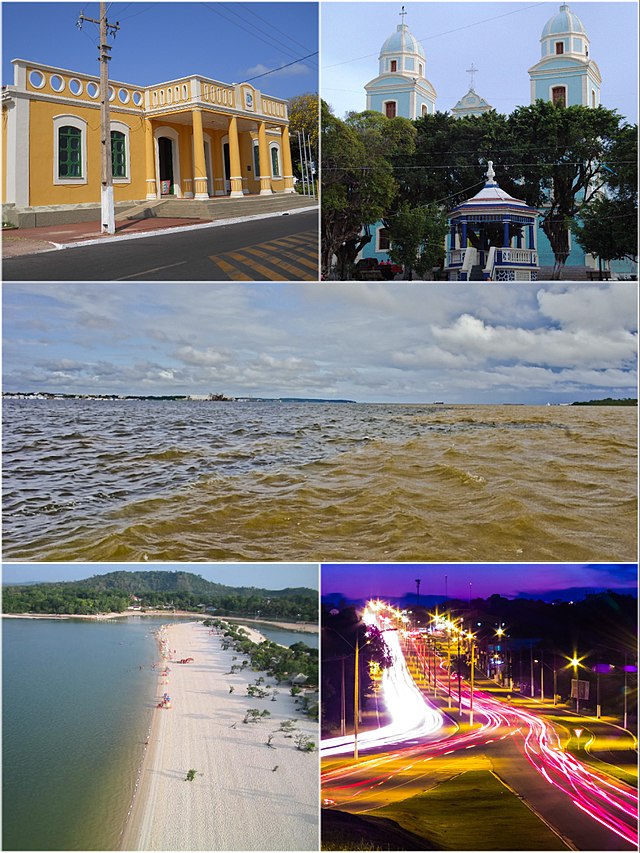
282	248
510	739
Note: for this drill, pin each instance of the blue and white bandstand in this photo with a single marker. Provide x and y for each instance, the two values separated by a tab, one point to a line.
492	237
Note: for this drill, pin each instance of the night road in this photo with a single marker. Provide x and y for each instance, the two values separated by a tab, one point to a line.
574	805
282	248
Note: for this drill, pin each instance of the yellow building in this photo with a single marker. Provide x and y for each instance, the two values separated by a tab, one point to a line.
189	138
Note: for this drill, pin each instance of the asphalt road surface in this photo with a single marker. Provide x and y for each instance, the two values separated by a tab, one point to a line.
281	248
517	745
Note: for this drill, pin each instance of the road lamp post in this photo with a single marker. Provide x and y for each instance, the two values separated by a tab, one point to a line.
356	708
470	636
449	664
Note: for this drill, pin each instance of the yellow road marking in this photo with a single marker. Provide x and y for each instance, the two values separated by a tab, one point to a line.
281	254
231	271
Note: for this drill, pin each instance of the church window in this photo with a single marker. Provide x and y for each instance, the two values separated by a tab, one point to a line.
593	98
424	110
390	109
394	65
559	96
384	243
69	152
559	47
118	154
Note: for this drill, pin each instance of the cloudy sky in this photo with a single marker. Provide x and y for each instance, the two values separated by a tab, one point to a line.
160	41
265	575
507	579
501	39
398	342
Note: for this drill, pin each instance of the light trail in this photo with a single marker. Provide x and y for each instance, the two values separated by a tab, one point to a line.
611	803
411	715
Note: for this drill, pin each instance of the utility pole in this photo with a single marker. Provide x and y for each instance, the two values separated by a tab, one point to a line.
107	218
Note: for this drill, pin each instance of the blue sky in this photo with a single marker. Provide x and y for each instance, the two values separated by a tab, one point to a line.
160	41
507	579
394	342
501	39
265	575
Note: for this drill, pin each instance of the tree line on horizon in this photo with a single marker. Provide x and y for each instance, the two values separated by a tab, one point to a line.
116	591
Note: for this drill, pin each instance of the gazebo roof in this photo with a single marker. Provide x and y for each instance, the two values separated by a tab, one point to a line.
493	199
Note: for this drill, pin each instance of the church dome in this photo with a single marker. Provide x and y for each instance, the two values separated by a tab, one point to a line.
564	21
402	42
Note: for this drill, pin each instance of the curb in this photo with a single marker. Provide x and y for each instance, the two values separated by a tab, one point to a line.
233	221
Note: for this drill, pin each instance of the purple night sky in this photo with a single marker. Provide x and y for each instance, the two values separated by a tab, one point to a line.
357	581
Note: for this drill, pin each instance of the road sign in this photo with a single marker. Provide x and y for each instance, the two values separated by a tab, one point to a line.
578	732
579	689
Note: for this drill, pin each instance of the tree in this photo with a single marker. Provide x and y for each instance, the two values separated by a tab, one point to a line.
304	115
559	151
608	224
417	237
608	229
358	185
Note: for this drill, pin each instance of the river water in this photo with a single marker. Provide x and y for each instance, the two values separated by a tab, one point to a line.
76	711
138	480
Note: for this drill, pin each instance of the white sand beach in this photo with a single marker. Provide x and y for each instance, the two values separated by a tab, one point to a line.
246	796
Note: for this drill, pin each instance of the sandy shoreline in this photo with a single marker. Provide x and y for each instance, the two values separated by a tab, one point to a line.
238	801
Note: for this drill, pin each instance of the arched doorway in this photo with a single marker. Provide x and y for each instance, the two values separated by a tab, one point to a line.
165	161
208	166
167	145
227	167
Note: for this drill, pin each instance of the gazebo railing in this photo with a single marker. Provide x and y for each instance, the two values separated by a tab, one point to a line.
517	256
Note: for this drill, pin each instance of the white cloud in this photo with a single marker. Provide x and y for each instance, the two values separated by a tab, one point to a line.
293	70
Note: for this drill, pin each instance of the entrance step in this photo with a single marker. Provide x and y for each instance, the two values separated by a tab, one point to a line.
226	207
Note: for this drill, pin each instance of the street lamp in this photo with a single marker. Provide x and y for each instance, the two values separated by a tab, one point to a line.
575	662
470	637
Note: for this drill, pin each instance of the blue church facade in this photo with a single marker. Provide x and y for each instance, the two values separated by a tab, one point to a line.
565	75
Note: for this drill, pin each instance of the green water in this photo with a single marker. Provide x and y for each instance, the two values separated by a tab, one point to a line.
76	710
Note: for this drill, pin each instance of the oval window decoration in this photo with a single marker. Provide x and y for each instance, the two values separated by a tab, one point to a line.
137	98
36	79
123	96
112	93
57	83
93	90
75	86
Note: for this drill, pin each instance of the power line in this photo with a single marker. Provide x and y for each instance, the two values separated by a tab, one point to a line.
249	28
273	70
445	33
264	21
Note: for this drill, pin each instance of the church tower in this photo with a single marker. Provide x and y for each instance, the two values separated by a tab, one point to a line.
401	88
565	75
471	104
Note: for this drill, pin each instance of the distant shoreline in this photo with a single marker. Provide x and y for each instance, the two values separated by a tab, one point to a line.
302	627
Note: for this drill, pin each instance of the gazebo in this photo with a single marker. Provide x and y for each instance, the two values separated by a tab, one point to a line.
492	237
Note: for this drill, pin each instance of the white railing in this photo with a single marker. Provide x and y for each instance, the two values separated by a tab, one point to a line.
490	265
455	257
519	256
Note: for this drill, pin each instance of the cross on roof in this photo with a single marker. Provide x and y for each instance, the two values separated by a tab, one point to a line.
471	70
402	14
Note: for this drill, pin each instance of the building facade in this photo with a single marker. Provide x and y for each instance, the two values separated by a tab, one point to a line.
565	75
189	138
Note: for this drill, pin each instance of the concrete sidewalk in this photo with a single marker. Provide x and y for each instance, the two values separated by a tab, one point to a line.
30	241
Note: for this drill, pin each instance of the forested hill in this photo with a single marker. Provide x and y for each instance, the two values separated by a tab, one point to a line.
163	581
116	591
